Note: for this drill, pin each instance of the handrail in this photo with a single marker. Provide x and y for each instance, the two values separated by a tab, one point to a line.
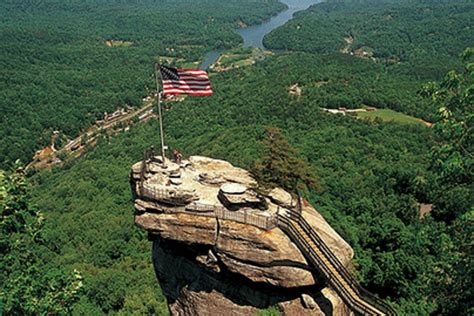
202	209
342	290
350	291
364	302
318	262
336	262
320	243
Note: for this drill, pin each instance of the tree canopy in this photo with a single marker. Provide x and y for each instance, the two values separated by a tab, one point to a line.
29	285
281	165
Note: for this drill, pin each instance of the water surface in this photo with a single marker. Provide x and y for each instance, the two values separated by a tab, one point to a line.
253	35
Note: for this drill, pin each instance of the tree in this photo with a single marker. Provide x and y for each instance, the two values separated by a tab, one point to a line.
452	161
452	279
27	284
452	157
281	164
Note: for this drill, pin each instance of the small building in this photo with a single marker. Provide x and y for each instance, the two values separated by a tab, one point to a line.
295	89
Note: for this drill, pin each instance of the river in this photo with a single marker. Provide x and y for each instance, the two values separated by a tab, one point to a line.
253	35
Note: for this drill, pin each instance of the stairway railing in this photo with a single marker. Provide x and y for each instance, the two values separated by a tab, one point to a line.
366	295
341	289
288	223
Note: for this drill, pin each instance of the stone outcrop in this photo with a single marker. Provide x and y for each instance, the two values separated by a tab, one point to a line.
221	251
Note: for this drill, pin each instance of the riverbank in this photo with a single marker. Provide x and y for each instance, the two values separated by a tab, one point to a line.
252	36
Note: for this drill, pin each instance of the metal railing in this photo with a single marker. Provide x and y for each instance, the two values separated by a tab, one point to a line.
296	227
353	294
148	154
169	197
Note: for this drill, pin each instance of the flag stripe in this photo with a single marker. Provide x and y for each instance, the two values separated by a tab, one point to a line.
197	93
188	86
166	86
193	78
188	90
199	82
193	75
191	72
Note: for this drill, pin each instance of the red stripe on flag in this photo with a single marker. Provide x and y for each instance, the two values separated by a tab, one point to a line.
195	93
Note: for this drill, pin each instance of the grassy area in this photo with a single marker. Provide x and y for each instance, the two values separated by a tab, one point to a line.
240	57
191	64
390	115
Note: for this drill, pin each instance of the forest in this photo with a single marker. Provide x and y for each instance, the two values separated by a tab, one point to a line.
416	41
372	177
59	74
73	226
398	30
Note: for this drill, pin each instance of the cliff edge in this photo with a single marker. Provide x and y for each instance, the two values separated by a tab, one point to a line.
217	247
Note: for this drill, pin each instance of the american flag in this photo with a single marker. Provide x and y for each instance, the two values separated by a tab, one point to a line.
185	81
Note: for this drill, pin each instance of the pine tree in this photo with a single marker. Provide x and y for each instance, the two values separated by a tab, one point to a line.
282	165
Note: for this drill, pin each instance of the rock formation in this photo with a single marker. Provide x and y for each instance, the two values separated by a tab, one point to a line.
217	248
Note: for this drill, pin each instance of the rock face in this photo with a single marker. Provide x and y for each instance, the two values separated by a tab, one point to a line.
219	251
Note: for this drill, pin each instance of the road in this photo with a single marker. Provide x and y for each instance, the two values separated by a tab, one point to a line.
75	146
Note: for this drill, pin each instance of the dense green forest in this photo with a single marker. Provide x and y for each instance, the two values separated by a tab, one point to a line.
73	226
416	41
372	175
59	74
404	30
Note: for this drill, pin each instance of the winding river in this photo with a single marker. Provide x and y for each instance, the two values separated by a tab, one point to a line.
253	35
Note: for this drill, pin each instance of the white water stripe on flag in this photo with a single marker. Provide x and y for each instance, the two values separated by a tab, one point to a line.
194	84
194	77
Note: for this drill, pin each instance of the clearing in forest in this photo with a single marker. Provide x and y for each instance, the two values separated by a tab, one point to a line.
111	43
391	115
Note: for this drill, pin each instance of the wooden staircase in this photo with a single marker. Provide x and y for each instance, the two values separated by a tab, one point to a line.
318	254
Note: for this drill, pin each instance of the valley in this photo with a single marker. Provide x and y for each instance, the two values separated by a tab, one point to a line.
69	215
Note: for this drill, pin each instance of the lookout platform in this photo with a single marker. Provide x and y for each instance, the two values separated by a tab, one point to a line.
203	201
208	187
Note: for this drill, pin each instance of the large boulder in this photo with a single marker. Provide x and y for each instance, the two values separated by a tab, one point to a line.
208	265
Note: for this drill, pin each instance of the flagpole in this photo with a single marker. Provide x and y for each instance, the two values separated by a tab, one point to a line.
158	104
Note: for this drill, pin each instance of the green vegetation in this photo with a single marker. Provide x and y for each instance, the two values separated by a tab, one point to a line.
388	115
281	166
367	192
29	284
59	74
338	80
271	311
239	57
411	42
90	228
372	175
419	33
451	164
